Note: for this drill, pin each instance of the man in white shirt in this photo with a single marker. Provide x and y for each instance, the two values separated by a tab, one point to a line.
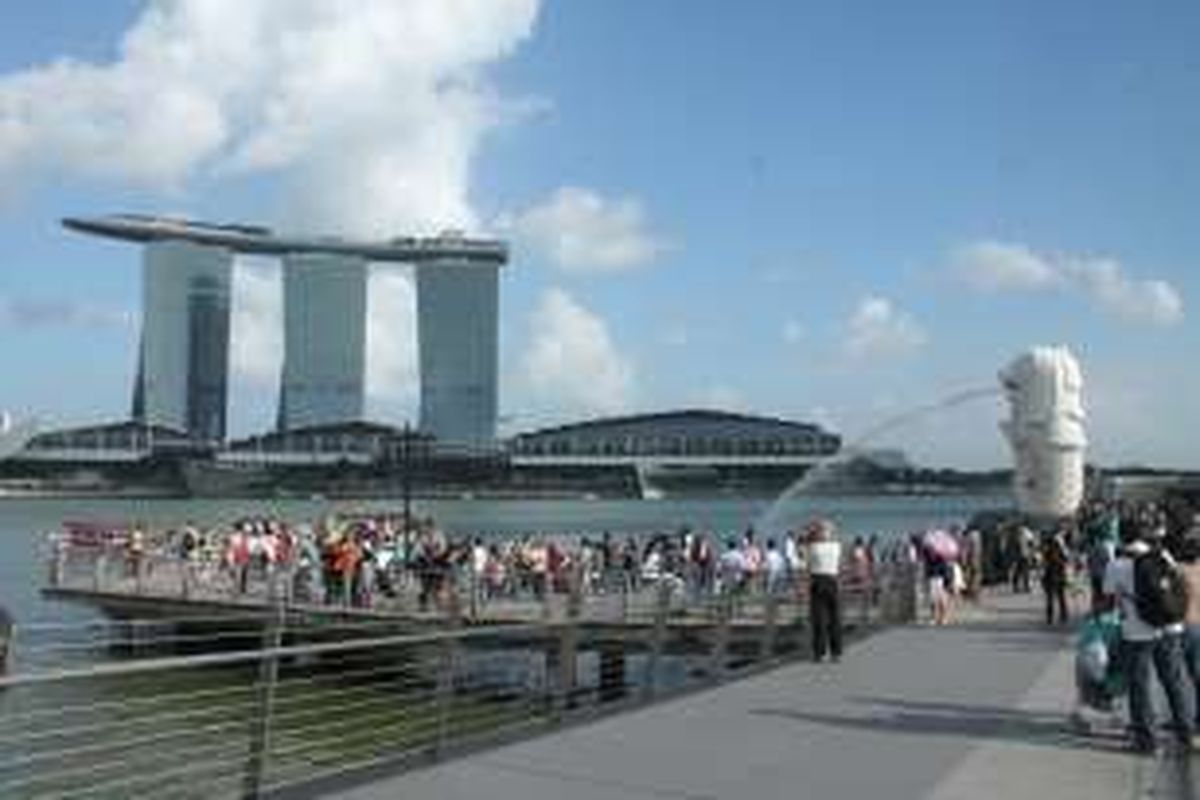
731	568
776	568
824	603
1143	645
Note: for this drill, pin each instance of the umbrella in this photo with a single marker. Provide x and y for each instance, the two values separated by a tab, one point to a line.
942	544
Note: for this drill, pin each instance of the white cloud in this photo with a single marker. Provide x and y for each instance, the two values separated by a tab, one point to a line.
256	351
392	372
997	267
572	363
26	312
370	110
256	324
1151	301
877	329
580	231
792	332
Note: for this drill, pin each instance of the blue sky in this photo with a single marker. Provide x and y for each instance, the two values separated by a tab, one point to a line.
829	211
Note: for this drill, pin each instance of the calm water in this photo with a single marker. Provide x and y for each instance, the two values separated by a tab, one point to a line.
23	521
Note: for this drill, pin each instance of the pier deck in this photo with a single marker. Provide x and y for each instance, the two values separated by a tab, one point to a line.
170	590
976	710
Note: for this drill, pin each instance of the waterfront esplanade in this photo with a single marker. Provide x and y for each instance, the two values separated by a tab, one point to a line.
183	362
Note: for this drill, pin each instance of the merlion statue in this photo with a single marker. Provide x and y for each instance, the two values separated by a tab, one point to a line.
1045	394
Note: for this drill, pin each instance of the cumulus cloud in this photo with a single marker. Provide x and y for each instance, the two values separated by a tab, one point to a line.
256	330
580	231
24	312
370	110
256	322
878	329
572	363
392	368
1000	267
996	266
1150	301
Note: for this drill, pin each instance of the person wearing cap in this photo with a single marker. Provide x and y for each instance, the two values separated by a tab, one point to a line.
1145	647
824	603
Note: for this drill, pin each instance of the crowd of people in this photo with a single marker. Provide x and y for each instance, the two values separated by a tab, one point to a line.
370	559
1142	566
1129	574
356	560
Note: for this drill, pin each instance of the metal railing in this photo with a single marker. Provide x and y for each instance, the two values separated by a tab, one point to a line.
277	705
398	590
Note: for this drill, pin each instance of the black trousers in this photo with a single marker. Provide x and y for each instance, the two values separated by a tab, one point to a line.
1056	595
825	616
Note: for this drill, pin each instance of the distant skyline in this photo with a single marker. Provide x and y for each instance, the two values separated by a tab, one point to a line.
822	211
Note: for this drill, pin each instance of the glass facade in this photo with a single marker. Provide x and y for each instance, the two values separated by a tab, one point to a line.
184	358
457	323
324	350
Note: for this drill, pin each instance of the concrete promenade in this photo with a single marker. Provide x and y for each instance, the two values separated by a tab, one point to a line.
977	710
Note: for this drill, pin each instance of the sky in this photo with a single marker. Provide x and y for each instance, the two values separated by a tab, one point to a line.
830	212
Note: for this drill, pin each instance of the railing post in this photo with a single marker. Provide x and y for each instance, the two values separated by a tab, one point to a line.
624	598
912	592
568	647
865	605
770	626
658	638
453	600
268	679
98	568
445	692
720	649
58	565
8	635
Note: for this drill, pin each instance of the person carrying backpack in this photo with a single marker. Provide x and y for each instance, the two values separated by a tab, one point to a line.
1149	590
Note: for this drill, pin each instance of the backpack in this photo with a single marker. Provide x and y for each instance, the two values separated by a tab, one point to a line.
1159	590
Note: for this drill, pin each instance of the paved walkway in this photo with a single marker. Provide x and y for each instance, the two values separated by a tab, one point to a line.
978	710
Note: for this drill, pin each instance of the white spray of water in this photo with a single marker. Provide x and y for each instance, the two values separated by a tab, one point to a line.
768	522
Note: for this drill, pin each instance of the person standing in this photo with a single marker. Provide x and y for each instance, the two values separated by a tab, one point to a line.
1190	567
938	577
776	568
1054	576
1103	534
1155	642
824	603
1024	545
731	569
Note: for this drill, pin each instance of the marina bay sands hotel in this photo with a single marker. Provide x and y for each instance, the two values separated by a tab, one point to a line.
183	364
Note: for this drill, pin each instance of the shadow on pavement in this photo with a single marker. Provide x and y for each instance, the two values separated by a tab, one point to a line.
918	718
